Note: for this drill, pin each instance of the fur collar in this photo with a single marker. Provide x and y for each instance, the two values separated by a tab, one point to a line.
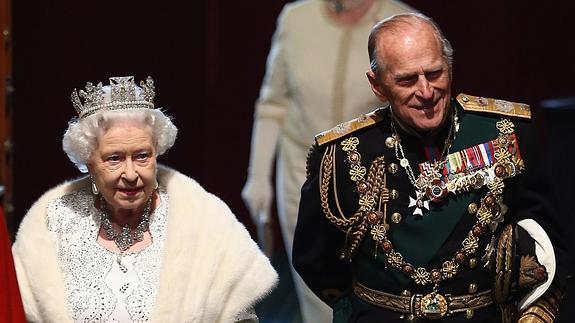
211	268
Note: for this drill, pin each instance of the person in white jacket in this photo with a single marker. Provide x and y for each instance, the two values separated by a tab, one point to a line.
133	241
314	80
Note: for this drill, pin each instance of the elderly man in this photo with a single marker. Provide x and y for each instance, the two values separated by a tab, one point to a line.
427	209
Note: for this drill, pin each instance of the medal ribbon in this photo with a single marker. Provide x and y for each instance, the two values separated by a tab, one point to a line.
471	158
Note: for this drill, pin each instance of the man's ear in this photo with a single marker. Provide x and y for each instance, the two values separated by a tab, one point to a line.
375	86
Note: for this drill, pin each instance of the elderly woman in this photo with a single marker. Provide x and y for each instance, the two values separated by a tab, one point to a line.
133	241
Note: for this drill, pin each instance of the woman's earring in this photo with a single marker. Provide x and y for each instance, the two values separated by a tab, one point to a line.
157	185
94	187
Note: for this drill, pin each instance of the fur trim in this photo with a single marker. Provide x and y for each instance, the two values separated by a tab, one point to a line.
211	268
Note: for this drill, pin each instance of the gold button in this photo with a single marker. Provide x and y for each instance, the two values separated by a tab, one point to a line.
472	263
464	98
394	194
354	157
472	208
469	313
396	217
392	168
390	142
472	288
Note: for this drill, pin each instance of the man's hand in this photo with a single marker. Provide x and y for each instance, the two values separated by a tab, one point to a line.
257	195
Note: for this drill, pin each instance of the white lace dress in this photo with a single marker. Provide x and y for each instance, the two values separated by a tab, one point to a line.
100	287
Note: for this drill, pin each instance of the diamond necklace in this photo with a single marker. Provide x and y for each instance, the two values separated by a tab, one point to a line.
125	238
424	180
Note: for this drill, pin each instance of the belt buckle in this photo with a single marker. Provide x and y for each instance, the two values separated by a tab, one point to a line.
433	306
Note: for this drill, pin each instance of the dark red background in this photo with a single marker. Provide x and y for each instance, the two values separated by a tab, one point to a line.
208	57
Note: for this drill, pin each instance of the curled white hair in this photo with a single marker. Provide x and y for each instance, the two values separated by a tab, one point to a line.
81	138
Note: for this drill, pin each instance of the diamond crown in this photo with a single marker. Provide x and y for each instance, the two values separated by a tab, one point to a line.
121	94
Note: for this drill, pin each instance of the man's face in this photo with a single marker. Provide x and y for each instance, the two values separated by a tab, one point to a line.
416	79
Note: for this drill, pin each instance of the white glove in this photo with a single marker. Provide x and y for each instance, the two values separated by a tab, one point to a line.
257	195
258	189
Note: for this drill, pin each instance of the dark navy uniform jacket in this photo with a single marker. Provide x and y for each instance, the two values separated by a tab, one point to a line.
425	241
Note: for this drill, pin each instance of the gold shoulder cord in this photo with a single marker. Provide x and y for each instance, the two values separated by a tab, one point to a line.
327	171
372	191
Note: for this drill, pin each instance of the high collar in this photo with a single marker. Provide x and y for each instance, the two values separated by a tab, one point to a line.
435	137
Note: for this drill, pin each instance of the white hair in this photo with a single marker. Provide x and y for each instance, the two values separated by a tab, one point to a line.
81	138
397	23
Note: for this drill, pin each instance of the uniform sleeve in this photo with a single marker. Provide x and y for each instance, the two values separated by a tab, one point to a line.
533	198
270	110
274	98
539	252
317	242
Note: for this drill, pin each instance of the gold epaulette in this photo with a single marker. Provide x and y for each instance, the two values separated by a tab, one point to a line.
481	104
348	127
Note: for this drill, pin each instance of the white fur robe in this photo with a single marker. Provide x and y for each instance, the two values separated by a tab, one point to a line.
211	269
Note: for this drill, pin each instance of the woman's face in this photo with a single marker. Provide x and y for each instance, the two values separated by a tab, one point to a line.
123	166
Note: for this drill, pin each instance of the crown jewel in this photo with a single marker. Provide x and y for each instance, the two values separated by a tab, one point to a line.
121	94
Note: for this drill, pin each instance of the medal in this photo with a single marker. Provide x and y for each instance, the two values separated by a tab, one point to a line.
436	191
429	185
419	203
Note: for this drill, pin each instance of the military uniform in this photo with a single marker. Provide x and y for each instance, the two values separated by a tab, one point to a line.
377	251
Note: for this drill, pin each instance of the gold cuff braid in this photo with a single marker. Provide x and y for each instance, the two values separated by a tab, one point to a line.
504	265
545	309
